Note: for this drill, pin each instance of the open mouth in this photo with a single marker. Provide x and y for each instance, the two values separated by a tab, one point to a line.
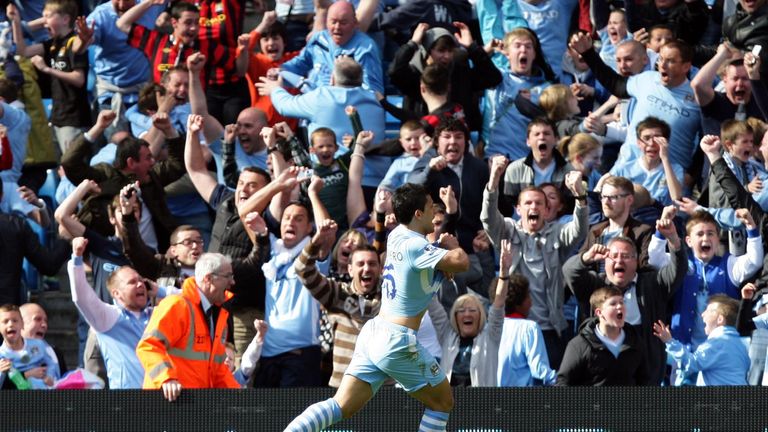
619	270
534	218
706	247
39	334
664	76
523	60
620	315
542	147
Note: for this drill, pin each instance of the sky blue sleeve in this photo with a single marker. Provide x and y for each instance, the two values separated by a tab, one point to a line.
423	255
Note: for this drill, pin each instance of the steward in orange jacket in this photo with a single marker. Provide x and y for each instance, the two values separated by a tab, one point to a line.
177	343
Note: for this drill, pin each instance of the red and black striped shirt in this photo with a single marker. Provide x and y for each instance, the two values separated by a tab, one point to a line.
221	21
164	54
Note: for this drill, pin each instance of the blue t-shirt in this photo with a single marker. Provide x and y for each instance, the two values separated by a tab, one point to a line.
35	353
410	280
655	181
397	174
245	160
503	125
676	106
317	59
113	60
551	20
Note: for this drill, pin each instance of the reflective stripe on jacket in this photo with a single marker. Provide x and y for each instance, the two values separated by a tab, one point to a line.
177	344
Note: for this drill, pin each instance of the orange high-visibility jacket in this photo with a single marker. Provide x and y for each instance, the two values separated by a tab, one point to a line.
177	344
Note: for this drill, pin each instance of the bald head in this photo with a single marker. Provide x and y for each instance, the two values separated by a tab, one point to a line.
341	22
249	124
631	58
35	321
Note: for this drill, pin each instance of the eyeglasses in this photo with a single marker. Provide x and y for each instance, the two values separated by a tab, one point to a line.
190	242
616	256
230	276
467	310
613	198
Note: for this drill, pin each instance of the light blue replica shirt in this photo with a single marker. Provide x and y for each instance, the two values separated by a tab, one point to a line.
117	329
245	160
291	311
721	360
316	60
503	125
397	174
522	355
654	180
676	106
140	123
550	19
113	59
324	107
409	279
34	353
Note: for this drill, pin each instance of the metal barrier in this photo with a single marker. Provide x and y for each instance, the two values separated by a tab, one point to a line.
732	409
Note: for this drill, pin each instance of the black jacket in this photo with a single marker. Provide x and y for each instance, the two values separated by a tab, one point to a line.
468	190
18	241
738	197
587	361
654	290
407	66
76	164
688	20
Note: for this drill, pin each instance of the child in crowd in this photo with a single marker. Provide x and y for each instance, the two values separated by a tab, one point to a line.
584	153
653	170
334	171
708	273
523	359
614	33
722	359
555	211
68	71
250	357
270	35
605	352
562	107
32	357
414	141
658	35
503	123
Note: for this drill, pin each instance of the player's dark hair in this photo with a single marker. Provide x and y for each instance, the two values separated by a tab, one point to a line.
406	200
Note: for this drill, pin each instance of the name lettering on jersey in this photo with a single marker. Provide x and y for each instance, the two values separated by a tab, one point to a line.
536	18
210	22
59	65
668	107
333	179
442	14
395	256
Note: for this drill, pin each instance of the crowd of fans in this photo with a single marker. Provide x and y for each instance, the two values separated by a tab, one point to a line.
602	163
